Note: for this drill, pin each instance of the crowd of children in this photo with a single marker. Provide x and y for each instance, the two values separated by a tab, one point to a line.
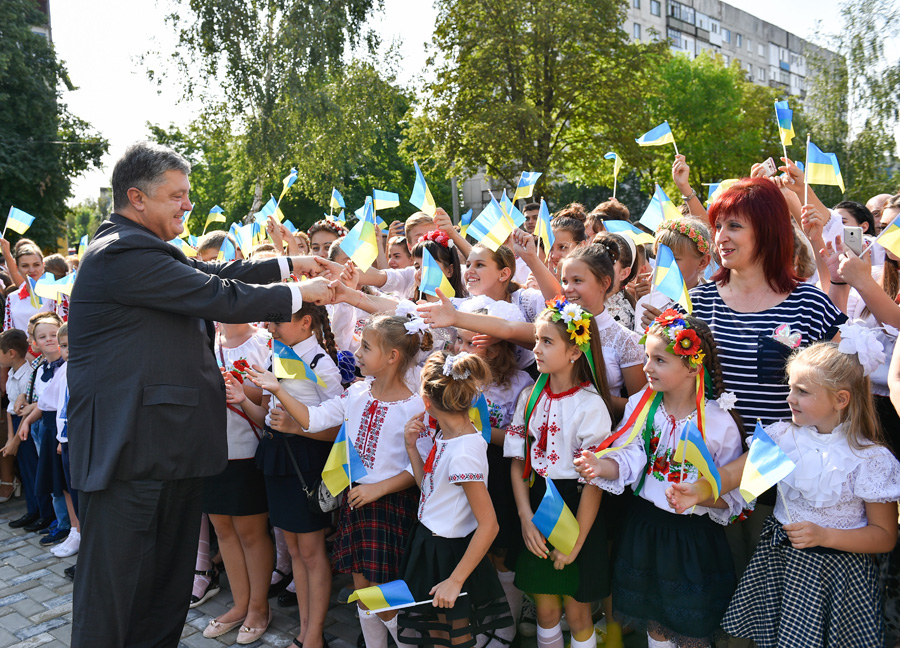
789	333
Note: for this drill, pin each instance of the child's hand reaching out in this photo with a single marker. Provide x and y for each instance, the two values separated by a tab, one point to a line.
587	465
683	496
234	390
264	379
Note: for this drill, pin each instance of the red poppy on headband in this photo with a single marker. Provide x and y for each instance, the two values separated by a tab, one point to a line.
439	237
687	343
668	316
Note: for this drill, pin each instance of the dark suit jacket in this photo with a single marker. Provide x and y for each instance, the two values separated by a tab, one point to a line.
146	399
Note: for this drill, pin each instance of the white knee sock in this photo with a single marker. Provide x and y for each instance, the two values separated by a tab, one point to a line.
550	637
373	629
654	643
395	631
590	642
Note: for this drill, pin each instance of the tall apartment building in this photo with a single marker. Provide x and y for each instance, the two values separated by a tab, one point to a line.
44	29
769	54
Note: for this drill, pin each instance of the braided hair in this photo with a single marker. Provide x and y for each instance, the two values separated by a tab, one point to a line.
321	327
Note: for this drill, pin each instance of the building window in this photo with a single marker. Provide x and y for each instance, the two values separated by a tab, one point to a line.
681	12
738	40
761	49
750	45
636	4
654	7
637	31
675	36
714	28
761	74
726	35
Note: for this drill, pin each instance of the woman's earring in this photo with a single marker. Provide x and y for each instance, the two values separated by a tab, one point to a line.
572	361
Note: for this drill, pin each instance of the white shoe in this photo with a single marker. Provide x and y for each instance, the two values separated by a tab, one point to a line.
69	547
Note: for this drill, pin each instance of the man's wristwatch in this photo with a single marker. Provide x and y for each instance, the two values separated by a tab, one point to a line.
692	195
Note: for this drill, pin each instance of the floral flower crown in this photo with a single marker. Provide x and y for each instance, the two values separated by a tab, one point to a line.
683	340
683	227
441	238
578	321
331	226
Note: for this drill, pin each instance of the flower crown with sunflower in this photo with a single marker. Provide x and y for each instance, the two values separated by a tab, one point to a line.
683	340
577	320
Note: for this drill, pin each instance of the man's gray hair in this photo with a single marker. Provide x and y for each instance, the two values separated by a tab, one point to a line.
143	167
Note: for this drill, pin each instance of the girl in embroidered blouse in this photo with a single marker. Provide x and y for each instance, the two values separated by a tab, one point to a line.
812	580
565	413
380	507
673	574
446	554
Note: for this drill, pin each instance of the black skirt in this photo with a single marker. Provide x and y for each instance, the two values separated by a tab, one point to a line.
238	490
586	579
806	597
429	560
673	574
500	488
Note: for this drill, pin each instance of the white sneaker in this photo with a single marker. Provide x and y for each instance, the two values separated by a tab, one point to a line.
69	547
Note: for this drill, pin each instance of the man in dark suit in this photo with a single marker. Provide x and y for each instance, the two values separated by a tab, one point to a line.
147	401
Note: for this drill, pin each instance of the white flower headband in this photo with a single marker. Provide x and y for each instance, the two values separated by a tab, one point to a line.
448	367
862	341
416	324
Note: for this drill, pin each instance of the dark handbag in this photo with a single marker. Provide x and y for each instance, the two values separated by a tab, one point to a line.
319	499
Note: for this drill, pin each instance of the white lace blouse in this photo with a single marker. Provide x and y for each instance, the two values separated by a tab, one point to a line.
621	349
832	481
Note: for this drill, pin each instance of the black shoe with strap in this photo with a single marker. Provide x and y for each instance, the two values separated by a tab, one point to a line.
211	589
285	580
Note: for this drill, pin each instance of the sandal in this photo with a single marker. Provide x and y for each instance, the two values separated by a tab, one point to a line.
15	491
278	588
211	589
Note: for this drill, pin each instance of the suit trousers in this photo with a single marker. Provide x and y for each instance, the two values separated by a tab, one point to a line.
136	563
27	460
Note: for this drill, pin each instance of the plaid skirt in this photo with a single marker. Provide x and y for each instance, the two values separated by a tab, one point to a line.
371	538
816	598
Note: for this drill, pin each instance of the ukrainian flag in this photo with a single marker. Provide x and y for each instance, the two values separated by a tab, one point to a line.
660	135
47	287
889	238
227	251
616	165
290	226
186	249
288	181
82	246
361	212
639	236
337	200
33	297
518	218
385	199
492	227
215	216
464	222
693	448
668	279
288	364
525	188
433	277
555	521
785	118
66	284
270	208
716	189
361	244
18	221
481	417
244	236
542	228
660	209
421	195
339	219
766	465
184	222
823	168
379	597
343	466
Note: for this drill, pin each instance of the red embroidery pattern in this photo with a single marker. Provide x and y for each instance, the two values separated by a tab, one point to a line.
466	477
516	430
428	481
553	457
369	431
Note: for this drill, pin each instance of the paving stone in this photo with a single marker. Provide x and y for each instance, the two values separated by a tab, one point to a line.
40	628
7	638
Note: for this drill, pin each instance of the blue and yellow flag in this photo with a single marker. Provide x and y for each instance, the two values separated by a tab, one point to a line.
183	245
481	417
889	238
637	235
617	164
823	168
31	287
509	208
82	246
555	521
525	188
668	280
693	448
379	597
361	243
271	208
421	195
47	287
492	227
18	221
433	277
343	466
716	189
785	117
227	251
337	200
542	227
464	221
660	209
215	216
766	465
658	136
288	181
287	364
184	223
340	219
384	199
245	235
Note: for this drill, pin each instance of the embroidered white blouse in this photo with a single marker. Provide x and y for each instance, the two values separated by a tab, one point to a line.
561	426
659	470
443	505
255	351
832	481
375	427
621	349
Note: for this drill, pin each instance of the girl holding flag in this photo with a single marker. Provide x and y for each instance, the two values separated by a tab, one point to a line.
673	574
379	510
23	303
566	412
289	460
812	580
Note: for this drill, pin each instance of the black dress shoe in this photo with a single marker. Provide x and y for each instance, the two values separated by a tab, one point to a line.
284	581
70	572
26	519
37	525
287	599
